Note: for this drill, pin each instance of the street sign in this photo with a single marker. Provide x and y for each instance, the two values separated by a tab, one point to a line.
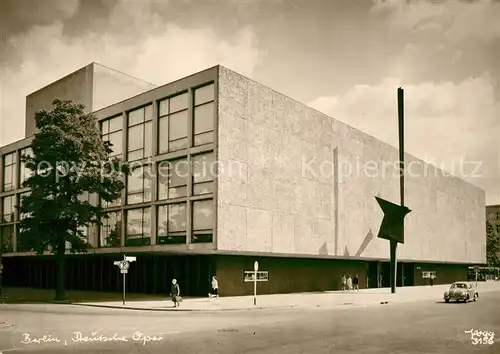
261	276
124	265
428	274
130	259
123	271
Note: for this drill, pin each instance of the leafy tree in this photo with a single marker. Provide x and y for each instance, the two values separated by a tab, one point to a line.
68	159
492	246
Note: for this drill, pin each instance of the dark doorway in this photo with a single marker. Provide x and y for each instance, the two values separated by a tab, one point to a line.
408	273
372	275
399	274
385	273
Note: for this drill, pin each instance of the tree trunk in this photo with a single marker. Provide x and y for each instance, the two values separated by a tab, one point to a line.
61	273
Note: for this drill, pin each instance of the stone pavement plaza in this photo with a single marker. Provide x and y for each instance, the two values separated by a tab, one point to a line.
319	300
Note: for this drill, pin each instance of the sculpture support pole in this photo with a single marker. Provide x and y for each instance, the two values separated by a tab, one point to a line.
394	244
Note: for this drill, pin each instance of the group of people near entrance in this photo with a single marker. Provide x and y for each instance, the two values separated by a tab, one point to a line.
350	283
175	291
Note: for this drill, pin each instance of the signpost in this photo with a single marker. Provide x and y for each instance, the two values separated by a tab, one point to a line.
124	265
255	276
256	268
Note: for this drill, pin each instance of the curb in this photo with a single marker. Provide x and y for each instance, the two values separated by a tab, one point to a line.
182	309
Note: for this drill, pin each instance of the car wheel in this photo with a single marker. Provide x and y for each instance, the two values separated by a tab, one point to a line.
447	300
467	299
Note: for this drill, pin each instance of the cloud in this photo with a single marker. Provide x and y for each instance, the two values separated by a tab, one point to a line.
153	50
447	124
456	21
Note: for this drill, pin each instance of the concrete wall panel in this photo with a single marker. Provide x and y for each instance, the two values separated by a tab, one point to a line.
111	86
76	86
289	151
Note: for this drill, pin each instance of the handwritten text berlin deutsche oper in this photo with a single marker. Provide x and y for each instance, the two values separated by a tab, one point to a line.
78	337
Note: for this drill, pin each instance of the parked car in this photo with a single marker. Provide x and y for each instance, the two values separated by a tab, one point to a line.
461	291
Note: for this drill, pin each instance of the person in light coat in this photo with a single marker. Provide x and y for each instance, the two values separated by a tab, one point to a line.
215	288
349	282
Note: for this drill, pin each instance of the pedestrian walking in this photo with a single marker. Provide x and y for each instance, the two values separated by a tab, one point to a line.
355	282
349	282
343	279
215	288
175	293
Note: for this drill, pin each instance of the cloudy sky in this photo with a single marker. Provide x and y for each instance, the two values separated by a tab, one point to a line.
345	58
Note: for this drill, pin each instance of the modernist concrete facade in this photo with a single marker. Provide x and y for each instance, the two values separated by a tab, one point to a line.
292	188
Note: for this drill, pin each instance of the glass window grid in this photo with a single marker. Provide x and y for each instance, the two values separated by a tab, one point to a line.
22	215
107	227
24	172
144	237
203	181
9	164
168	236
202	234
144	193
174	186
9	208
165	113
108	129
7	238
205	136
145	126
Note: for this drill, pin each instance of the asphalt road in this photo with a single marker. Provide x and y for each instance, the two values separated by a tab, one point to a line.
417	327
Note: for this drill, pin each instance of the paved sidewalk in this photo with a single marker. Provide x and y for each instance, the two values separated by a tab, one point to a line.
322	300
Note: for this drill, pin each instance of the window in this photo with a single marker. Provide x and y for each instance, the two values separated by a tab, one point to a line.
173	124
110	231
138	227
22	215
85	232
7	237
203	221
114	203
172	224
204	170
111	204
25	172
9	207
204	114
172	179
140	142
112	131
9	172
139	185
